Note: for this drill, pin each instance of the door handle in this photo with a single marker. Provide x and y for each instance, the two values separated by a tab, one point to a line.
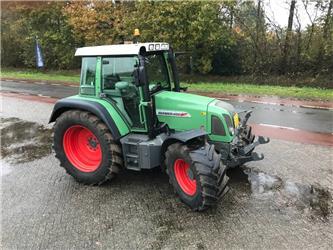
141	114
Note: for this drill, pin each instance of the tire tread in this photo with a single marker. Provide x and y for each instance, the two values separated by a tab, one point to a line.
211	173
114	149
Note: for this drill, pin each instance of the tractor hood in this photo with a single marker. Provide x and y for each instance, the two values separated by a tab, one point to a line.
183	111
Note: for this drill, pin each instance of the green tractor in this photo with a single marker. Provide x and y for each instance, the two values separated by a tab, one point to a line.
132	113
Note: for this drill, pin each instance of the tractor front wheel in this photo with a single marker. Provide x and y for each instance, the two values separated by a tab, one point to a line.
85	147
197	176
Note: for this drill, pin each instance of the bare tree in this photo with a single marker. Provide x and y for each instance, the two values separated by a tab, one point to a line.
258	24
327	20
288	36
312	20
299	39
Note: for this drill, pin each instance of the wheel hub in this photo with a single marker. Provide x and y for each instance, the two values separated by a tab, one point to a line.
82	148
92	143
185	177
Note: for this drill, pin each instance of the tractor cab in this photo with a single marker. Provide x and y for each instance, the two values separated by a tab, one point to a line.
128	75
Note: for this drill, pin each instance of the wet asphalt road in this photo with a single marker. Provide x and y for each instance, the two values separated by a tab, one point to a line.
282	202
53	90
308	119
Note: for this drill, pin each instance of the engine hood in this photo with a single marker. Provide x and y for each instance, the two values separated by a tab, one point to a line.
227	107
182	111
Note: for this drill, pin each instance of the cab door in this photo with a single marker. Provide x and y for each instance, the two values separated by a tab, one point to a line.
118	85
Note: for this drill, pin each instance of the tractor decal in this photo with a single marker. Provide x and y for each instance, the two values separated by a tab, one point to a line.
172	113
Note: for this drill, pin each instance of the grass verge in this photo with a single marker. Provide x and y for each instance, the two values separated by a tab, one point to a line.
310	93
60	76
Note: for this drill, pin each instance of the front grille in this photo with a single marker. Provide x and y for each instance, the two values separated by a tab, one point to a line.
217	126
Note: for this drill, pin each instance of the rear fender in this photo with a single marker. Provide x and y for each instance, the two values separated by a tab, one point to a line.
113	121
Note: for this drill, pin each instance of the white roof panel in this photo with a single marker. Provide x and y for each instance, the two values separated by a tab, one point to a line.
120	49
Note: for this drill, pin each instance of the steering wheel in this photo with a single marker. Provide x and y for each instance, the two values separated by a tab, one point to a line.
110	81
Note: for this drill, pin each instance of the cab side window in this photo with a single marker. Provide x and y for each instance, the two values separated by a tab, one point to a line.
88	73
88	76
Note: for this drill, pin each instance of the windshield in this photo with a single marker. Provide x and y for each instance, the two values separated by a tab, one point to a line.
157	72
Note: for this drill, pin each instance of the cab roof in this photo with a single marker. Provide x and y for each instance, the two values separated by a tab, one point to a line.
121	49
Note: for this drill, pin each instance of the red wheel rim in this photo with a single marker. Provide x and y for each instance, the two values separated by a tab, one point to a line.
82	148
185	177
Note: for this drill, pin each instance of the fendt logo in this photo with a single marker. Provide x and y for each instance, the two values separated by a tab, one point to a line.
172	113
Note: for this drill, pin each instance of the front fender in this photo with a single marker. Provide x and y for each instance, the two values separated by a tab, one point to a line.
100	108
182	137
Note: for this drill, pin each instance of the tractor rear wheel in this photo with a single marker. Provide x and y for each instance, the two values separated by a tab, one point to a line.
197	176
85	147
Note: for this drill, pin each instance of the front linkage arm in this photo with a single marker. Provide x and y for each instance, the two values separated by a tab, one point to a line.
243	144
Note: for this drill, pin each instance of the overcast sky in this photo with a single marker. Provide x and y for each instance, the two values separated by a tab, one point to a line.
278	10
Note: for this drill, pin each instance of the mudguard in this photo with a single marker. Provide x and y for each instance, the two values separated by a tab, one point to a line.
183	136
93	107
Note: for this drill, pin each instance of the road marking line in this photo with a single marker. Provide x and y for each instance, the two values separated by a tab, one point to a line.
269	103
276	126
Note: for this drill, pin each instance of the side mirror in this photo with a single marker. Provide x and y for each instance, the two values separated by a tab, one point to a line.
140	77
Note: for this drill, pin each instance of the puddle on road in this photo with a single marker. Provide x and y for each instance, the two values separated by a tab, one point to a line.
312	200
23	141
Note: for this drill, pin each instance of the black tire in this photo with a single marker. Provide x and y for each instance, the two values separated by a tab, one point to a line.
111	159
208	171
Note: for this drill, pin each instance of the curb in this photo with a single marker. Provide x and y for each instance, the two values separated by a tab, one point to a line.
40	82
